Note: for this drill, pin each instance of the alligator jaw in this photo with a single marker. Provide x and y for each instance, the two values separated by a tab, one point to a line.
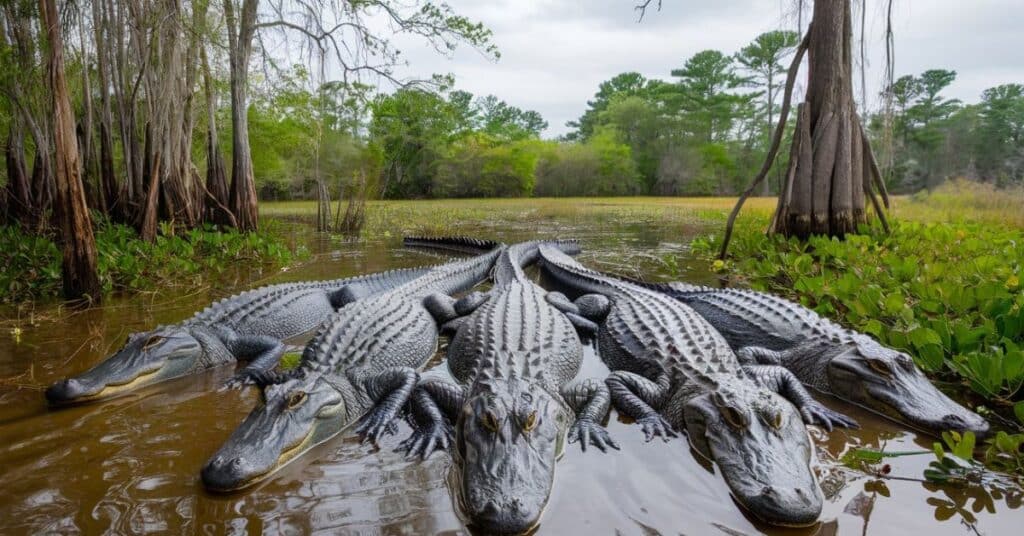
146	358
899	390
506	473
67	392
295	416
762	450
211	476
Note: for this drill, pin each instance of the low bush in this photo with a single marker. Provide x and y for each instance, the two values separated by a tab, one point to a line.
32	263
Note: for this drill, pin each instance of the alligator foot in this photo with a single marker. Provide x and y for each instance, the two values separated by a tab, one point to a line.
426	439
587	432
656	425
390	389
815	413
378	423
246	377
784	382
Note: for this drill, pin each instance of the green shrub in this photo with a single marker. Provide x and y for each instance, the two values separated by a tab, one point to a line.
32	263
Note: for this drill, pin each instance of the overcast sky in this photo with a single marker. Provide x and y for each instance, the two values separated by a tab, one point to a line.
554	53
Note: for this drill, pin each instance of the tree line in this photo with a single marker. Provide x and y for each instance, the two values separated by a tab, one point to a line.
704	131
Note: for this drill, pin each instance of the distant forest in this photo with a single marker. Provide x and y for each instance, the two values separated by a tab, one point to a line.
703	131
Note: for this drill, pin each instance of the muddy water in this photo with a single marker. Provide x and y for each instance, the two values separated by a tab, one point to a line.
131	465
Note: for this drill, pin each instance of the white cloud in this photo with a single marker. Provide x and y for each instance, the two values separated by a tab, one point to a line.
555	53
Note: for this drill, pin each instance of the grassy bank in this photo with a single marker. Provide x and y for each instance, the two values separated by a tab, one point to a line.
32	263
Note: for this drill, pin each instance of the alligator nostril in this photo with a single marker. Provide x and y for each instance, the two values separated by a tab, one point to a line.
953	419
64	390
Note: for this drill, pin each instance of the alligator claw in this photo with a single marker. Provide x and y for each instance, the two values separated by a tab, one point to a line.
656	425
424	441
244	378
377	424
815	413
589	432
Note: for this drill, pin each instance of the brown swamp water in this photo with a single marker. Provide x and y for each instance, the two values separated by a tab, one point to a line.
131	465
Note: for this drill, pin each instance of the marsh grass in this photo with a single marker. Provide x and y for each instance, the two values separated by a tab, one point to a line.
965	201
448	216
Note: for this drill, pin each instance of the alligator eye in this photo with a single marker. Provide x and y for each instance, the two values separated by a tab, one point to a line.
296	399
734	417
776	421
489	421
531	422
880	367
153	341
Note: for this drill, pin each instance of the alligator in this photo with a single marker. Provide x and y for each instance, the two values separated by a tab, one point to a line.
249	326
673	371
361	365
852	366
515	399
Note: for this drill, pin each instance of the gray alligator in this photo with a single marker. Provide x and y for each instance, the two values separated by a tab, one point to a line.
672	370
362	364
766	329
249	326
515	360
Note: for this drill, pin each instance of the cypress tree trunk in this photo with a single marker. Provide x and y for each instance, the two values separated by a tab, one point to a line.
78	243
827	177
217	196
243	185
17	196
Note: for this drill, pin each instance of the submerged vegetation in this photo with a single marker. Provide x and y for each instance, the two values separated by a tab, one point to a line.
126	263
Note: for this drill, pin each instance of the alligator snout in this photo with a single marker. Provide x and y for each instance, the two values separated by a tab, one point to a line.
226	474
65	391
978	425
786	506
509	516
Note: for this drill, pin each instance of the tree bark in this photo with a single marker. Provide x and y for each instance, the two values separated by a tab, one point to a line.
78	243
107	179
243	185
827	164
217	196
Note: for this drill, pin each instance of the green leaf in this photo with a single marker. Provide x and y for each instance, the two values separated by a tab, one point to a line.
1018	410
921	337
894	303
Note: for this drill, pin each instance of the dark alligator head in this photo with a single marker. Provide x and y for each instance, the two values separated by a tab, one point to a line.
887	381
292	417
761	446
146	358
508	439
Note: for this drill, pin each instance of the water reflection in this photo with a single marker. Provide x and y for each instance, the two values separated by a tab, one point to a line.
131	464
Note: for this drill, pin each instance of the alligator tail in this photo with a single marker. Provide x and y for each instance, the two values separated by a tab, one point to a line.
476	246
456	244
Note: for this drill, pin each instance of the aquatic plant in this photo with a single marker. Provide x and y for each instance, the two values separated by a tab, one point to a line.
127	263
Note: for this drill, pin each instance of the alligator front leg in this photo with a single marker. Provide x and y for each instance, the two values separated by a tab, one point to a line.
590	400
346	295
756	355
262	352
433	406
784	382
390	390
637	397
584	313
